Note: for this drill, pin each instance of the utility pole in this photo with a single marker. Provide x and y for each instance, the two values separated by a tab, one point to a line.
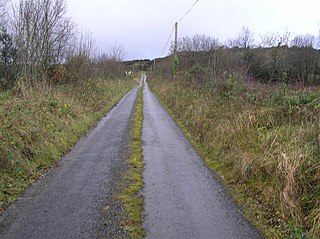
154	67
176	37
175	54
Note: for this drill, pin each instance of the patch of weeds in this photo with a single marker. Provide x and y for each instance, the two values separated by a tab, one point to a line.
296	232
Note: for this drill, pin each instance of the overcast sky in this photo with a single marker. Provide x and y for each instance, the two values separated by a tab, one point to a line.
142	27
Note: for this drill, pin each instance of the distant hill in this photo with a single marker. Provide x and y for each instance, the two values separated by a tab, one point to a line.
137	65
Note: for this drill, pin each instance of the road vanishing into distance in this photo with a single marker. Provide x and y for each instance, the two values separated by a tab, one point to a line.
182	198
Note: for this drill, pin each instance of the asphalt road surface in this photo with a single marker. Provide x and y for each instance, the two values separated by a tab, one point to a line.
68	203
182	198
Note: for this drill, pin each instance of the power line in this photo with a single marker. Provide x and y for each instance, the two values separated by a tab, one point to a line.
167	41
188	11
178	22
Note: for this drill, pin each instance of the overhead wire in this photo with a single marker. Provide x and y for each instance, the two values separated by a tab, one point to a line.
188	11
178	22
167	41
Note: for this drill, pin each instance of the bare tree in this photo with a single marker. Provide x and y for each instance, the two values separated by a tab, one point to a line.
42	34
275	41
244	39
197	43
114	64
7	60
184	44
209	43
7	49
305	58
80	56
3	13
117	53
270	39
304	41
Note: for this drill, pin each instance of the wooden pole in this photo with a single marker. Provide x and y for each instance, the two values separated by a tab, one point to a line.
176	38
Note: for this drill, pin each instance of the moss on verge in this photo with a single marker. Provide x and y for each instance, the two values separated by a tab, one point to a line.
132	181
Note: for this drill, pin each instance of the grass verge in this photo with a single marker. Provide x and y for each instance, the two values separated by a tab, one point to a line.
263	141
39	124
132	182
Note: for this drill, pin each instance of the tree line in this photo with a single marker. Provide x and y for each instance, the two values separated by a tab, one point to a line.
39	42
273	58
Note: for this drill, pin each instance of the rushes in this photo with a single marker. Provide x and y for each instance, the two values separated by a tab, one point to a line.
289	168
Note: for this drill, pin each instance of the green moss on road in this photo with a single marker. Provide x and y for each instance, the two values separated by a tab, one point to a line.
132	182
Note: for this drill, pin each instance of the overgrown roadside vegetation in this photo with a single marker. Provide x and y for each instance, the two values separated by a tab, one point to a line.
54	85
40	124
262	140
132	182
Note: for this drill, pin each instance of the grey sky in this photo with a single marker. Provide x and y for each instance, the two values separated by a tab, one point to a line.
142	27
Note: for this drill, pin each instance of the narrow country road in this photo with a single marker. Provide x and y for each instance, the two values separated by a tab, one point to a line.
182	198
68	202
